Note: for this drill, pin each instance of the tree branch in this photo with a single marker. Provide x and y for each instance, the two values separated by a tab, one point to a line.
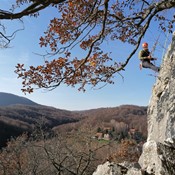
36	6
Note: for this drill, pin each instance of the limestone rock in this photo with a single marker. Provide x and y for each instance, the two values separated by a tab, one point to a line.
103	169
110	168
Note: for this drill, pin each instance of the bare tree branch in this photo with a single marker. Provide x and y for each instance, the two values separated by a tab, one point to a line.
36	6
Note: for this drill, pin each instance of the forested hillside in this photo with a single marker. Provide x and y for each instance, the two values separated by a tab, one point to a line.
129	116
17	119
76	141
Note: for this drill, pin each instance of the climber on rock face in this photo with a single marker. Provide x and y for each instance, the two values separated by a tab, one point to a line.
146	58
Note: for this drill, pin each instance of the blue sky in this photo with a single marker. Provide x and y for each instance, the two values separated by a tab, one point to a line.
135	89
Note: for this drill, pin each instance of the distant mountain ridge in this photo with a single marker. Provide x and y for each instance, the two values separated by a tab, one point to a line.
7	99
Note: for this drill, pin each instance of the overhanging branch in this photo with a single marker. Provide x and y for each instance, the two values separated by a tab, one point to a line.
36	6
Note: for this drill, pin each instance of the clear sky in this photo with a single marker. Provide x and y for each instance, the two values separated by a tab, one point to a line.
135	89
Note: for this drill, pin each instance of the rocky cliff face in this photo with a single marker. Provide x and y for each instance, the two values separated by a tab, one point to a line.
158	157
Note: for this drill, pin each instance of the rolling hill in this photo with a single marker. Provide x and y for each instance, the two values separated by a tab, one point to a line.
7	99
125	116
17	119
19	114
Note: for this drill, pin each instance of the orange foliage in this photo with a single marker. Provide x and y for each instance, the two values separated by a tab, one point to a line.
127	151
87	25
